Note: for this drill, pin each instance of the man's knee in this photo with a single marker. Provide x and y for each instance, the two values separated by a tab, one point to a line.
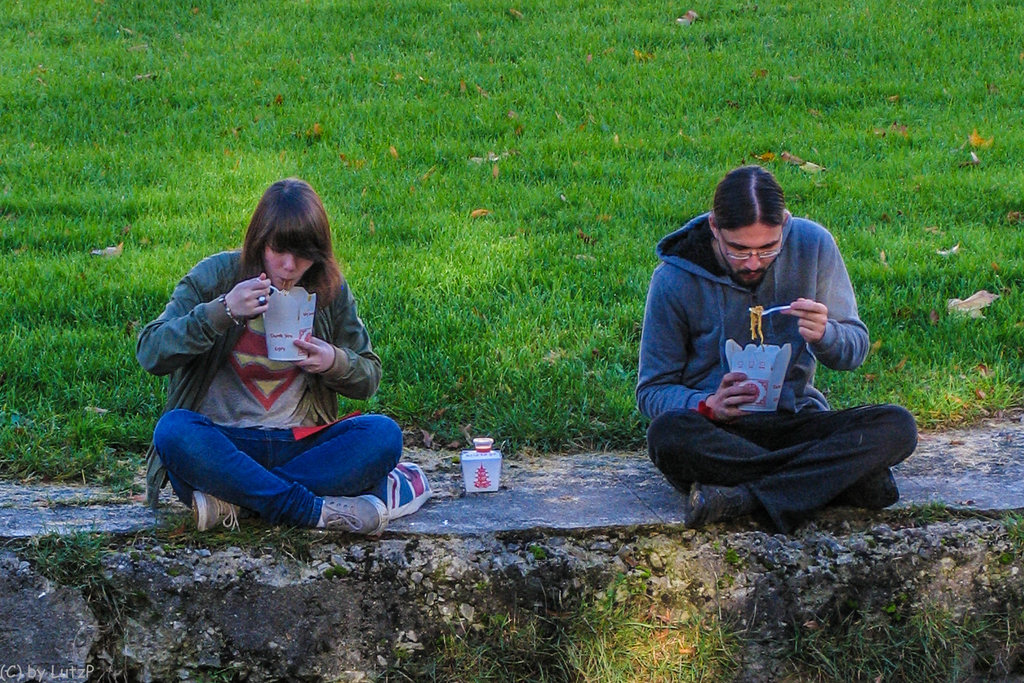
674	445
669	432
893	430
902	430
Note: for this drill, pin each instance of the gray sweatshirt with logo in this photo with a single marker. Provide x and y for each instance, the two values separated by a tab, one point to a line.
693	307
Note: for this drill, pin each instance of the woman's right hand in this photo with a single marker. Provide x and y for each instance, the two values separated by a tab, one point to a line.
244	298
733	393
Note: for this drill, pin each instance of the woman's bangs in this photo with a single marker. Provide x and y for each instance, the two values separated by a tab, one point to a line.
294	238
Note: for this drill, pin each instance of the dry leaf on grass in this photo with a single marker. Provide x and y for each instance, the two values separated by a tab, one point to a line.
792	159
477	213
972	305
553	356
805	166
109	252
490	156
977	141
975	161
687	18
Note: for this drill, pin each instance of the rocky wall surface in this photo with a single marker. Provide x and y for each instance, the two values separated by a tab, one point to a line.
349	609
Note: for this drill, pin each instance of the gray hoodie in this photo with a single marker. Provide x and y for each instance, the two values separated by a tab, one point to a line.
693	307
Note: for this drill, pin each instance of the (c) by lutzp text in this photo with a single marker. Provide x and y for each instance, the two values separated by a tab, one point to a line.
53	672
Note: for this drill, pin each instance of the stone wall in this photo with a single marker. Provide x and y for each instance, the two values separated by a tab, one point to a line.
348	610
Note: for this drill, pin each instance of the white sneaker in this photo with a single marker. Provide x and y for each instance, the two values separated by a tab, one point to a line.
364	514
208	512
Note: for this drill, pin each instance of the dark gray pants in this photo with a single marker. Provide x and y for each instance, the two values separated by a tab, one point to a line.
792	463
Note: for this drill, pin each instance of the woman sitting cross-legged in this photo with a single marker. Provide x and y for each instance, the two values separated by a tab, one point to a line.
242	432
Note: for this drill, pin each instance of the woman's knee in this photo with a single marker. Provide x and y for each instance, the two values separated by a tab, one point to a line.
385	437
173	431
170	426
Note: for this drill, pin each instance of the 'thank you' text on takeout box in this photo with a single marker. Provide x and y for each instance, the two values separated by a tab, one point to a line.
289	316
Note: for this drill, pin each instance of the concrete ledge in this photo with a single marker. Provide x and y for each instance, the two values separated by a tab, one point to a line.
979	468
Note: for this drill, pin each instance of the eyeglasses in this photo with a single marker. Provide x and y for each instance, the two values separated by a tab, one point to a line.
741	256
745	255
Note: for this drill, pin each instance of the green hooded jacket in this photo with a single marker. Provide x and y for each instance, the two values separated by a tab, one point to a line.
193	336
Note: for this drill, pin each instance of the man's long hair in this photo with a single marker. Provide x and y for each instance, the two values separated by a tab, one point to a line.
748	195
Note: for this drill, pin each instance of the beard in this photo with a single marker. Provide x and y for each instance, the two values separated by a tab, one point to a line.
748	278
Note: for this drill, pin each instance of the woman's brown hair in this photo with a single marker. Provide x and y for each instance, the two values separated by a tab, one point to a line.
291	218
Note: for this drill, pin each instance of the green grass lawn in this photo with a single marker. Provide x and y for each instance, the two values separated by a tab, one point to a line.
587	130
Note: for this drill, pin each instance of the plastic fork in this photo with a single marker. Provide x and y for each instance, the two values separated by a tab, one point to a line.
773	309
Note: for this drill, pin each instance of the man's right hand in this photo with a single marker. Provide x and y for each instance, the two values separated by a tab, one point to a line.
733	393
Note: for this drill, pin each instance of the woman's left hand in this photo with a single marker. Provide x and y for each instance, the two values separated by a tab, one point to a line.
319	354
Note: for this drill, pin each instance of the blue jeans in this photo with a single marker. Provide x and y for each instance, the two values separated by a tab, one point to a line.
268	471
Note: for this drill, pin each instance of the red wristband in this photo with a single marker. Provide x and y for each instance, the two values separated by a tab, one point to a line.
704	409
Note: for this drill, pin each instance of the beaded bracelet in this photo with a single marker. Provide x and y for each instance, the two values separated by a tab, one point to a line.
227	309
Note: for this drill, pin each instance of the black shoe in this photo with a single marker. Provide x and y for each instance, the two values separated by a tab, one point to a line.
873	492
710	504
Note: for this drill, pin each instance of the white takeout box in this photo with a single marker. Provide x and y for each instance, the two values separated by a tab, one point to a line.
289	316
481	467
765	367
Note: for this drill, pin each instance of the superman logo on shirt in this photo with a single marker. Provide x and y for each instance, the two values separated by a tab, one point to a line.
265	379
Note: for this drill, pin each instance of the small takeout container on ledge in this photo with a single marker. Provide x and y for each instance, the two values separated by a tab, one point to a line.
481	467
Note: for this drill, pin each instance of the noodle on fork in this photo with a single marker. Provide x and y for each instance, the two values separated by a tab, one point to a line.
755	324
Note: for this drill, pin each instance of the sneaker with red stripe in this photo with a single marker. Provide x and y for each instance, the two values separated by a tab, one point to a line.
407	489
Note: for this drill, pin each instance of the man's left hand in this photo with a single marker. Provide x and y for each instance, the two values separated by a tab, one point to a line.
811	316
319	354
